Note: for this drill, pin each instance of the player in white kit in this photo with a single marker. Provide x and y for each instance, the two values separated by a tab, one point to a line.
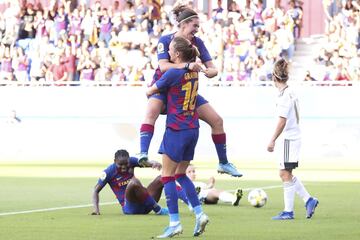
287	135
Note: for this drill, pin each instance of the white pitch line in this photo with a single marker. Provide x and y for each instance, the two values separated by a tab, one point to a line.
268	187
102	204
53	209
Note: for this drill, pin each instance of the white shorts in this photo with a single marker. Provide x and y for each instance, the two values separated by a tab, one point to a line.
289	153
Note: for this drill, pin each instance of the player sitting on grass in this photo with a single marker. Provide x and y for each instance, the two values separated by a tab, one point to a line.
133	197
209	194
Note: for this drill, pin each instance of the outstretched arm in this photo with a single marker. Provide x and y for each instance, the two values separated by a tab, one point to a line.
152	164
95	199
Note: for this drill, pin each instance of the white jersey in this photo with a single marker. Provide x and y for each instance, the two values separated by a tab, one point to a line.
288	107
204	191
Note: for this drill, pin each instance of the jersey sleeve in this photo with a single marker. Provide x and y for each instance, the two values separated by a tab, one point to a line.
204	53
163	48
105	177
133	162
283	106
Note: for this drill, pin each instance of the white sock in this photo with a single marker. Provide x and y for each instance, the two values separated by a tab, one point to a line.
226	197
289	196
300	189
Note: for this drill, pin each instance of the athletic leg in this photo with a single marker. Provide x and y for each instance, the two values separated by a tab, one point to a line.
188	186
153	110
136	193
208	114
168	179
155	188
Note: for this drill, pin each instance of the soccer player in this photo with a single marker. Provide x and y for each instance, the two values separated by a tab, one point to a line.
181	134
207	192
287	111
132	196
188	21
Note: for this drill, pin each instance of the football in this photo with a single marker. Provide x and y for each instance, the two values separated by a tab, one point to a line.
257	197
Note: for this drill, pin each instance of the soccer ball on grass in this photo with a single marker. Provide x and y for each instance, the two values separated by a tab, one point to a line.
257	197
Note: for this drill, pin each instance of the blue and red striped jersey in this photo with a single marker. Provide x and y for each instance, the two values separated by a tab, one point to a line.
163	52
118	181
182	87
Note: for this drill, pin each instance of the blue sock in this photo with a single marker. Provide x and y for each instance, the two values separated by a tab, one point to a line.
171	195
182	195
146	134
189	189
220	145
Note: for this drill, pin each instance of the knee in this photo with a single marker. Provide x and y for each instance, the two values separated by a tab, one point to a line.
285	176
217	122
134	183
158	181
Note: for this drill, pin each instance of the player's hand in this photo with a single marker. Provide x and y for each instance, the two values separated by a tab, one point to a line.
95	213
271	146
194	66
156	165
210	72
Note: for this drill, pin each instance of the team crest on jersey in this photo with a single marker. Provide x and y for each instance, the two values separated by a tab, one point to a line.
160	48
103	176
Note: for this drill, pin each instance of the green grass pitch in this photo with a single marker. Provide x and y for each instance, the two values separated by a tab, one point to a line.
337	216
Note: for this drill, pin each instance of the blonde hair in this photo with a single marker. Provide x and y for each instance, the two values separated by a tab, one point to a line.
281	70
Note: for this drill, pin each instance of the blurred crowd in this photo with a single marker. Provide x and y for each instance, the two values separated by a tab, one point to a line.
117	43
339	55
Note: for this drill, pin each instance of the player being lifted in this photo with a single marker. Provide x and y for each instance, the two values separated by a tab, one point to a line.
188	24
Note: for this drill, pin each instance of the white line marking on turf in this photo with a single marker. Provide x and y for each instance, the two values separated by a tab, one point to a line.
268	187
102	204
53	209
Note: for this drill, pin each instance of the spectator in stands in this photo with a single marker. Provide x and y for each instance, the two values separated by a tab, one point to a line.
87	68
105	27
69	60
295	13
6	71
20	65
57	71
60	22
27	29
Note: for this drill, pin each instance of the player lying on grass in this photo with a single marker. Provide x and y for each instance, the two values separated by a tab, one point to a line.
207	192
133	197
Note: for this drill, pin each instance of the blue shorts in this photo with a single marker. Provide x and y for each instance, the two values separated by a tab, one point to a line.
163	97
179	145
135	208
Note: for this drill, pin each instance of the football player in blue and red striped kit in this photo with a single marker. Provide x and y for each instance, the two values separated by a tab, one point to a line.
133	197
188	23
181	134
